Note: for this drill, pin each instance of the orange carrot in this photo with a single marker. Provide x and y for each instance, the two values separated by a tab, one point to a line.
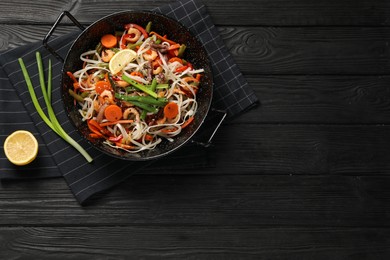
186	123
162	38
173	59
116	122
168	130
93	124
95	129
125	146
109	41
181	69
171	110
137	73
95	135
190	79
148	137
102	85
174	46
70	74
113	113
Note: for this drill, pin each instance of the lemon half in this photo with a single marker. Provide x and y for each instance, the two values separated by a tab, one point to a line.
21	147
121	59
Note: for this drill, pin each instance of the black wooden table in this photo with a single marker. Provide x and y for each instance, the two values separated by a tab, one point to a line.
303	176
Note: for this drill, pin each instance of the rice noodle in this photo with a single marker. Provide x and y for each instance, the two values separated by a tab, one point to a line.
133	134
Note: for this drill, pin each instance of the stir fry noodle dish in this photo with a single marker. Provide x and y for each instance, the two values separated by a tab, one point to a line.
135	89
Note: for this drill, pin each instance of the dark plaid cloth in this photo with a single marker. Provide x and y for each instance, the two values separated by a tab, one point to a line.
56	158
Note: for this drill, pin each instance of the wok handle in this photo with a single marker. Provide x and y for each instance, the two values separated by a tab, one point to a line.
49	34
210	126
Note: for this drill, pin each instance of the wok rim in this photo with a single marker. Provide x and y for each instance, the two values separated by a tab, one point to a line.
167	151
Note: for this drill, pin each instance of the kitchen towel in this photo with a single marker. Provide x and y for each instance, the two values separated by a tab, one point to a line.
56	158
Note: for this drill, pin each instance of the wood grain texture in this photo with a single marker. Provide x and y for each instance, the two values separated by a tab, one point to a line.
206	200
305	175
320	99
277	51
260	12
195	242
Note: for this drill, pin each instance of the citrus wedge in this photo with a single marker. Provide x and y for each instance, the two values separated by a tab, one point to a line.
121	59
21	147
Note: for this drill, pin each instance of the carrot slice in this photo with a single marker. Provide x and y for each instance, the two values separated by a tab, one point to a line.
171	110
113	113
109	41
174	46
163	38
148	137
116	122
95	135
173	59
70	74
125	146
168	130
102	85
186	123
137	73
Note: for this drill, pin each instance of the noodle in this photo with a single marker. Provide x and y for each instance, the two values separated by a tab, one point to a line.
143	122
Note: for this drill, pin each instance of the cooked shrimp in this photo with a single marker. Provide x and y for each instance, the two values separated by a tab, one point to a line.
132	35
131	110
107	55
150	56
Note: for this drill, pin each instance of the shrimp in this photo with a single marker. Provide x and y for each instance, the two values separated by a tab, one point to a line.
107	55
131	110
150	56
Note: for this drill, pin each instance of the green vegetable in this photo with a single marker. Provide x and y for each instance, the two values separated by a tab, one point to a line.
181	50
75	96
143	99
144	106
133	45
143	114
139	86
148	27
154	85
52	122
161	86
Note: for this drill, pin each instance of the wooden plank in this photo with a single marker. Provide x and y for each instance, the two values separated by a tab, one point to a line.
192	242
309	50
303	149
261	12
210	200
320	99
278	51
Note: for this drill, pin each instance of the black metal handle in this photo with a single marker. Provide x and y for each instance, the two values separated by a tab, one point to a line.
56	23
210	126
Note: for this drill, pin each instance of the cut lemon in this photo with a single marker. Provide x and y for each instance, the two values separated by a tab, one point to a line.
21	147
121	59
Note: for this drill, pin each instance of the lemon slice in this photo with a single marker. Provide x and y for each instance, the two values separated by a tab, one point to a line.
121	59
21	147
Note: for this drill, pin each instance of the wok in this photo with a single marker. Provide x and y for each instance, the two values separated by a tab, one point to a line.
88	39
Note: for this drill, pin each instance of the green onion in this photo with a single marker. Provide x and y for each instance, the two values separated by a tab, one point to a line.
154	85
148	108
52	122
133	45
161	86
181	50
143	99
148	27
76	96
139	86
143	114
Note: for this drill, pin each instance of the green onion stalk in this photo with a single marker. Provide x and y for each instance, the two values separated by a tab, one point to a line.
52	120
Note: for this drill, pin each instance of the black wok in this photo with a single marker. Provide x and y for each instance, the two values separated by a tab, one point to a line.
88	39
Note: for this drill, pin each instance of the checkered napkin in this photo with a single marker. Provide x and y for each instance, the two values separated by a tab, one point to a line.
56	158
